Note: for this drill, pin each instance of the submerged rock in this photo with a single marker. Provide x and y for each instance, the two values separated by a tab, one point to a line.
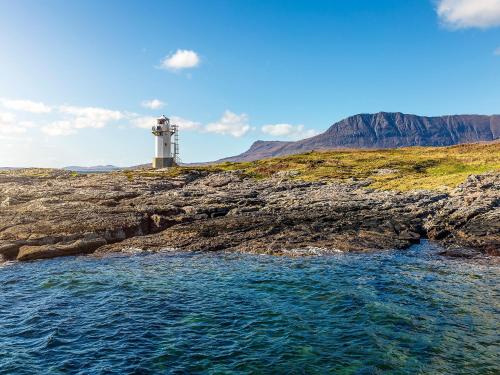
461	252
56	214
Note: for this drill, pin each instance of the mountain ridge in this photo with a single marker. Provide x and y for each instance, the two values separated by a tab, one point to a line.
384	130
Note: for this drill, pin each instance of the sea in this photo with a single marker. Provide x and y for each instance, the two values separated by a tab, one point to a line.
390	312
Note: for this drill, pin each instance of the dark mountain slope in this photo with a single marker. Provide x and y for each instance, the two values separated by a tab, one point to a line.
385	130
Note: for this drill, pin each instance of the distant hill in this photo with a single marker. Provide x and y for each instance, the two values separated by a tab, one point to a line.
384	130
93	169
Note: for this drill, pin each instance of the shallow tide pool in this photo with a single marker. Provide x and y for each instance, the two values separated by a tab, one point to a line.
398	312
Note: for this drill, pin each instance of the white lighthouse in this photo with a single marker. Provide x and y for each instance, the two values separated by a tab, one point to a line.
166	151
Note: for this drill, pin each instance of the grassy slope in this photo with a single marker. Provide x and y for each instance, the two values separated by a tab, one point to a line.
396	169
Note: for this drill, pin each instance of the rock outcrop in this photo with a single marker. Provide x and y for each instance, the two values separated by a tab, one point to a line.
469	218
384	130
56	213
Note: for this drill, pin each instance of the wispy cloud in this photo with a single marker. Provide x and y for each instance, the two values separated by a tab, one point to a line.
64	120
58	128
461	14
153	104
26	106
8	124
288	131
70	119
185	124
90	117
230	124
144	122
7	118
11	126
181	59
497	52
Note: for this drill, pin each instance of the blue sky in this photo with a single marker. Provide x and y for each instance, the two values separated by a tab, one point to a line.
81	80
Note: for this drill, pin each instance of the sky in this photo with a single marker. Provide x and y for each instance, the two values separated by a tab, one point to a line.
82	81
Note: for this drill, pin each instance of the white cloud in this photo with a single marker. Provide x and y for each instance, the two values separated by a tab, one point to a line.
72	118
497	52
185	124
27	106
144	122
91	117
461	14
181	59
289	131
59	128
230	124
11	128
67	119
8	125
6	118
152	104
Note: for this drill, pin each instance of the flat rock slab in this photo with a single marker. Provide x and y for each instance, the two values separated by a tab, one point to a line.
57	250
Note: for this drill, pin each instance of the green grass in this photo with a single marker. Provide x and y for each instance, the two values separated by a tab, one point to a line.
435	168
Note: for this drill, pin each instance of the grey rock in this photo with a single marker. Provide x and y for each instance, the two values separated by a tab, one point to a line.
225	211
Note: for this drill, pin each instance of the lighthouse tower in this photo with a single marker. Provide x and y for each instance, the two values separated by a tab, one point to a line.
166	152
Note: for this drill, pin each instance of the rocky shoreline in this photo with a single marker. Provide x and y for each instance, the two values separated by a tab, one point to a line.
51	213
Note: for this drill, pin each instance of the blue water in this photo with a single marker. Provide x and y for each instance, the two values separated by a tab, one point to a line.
400	312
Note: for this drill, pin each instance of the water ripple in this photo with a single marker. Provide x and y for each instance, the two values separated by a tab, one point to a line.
403	312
